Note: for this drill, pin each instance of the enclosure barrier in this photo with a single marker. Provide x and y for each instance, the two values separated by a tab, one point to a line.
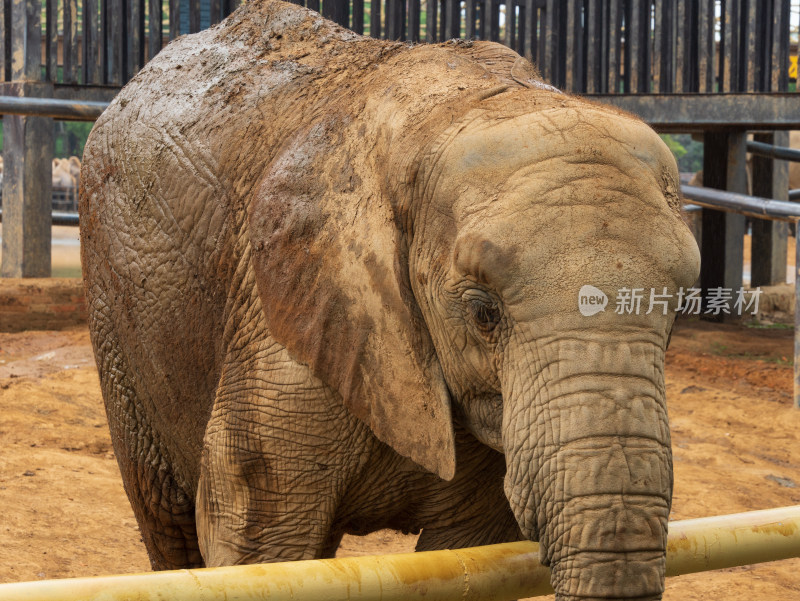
495	572
760	208
59	218
68	110
776	152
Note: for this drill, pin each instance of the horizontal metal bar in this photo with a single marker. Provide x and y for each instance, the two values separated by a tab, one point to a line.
752	206
725	541
52	107
708	112
673	112
773	152
59	218
496	572
65	218
794	195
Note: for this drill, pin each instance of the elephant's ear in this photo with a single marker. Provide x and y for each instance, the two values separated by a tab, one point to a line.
332	273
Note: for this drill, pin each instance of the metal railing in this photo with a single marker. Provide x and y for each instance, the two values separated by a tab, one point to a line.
495	572
776	152
760	208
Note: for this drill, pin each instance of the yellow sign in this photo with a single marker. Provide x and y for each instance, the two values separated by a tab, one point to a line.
793	67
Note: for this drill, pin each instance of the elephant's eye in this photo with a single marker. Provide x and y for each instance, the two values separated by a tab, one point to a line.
482	309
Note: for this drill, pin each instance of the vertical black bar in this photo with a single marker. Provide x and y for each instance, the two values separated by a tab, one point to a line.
705	46
103	40
339	12
604	45
469	16
781	47
672	32
91	65
231	5
486	19
694	47
5	40
541	51
770	180
494	22
572	50
450	8
593	45
763	30
142	25
729	56
174	19
749	26
116	39
659	34
194	16
681	46
508	33
724	157
4	56
455	18
136	33
615	47
580	31
358	15
550	42
529	23
430	21
632	50
774	49
70	42
51	40
215	9
399	18
155	35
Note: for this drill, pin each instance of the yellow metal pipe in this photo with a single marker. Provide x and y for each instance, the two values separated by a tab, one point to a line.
496	572
725	541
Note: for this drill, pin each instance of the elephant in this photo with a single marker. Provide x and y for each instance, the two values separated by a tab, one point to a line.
333	283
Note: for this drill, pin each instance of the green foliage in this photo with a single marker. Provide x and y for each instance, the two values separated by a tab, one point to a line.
69	138
675	147
688	153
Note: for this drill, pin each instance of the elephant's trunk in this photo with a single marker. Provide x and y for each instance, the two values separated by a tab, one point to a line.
589	465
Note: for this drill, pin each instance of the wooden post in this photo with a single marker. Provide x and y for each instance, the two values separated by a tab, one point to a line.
27	154
722	241
770	180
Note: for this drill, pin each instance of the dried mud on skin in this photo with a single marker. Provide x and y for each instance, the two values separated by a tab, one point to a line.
64	512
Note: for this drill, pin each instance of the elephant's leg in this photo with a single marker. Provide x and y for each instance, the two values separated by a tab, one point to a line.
162	502
273	467
472	509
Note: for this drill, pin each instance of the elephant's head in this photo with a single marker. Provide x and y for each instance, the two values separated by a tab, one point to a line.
437	279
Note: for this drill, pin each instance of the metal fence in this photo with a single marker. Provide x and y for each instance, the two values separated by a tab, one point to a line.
591	46
490	573
63	199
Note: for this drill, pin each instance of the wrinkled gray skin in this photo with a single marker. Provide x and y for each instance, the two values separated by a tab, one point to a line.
333	288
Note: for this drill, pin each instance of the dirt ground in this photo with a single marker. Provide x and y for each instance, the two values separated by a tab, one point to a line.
63	511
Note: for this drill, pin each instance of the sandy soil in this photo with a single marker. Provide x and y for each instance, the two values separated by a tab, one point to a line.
64	512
